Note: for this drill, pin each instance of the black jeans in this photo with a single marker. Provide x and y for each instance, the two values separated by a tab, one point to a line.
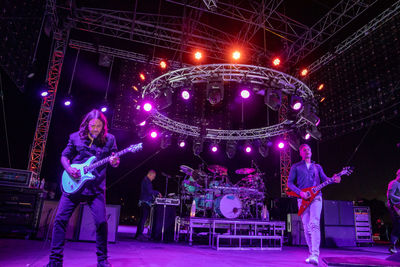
395	234
144	214
66	207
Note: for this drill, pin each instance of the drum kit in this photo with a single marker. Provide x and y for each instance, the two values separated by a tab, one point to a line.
216	196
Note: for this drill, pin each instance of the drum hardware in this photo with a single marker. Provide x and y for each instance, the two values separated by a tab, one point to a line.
217	169
245	171
186	170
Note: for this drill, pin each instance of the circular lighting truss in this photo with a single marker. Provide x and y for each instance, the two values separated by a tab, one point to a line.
256	75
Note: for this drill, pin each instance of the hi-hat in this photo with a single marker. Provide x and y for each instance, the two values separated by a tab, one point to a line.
186	170
245	171
217	169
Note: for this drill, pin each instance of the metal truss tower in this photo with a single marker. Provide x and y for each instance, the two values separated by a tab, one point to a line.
285	155
60	39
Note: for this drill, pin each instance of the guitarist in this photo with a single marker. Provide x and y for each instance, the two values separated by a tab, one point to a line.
92	139
393	196
304	174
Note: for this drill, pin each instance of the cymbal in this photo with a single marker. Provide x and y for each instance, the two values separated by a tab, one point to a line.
186	170
217	169
199	174
245	171
191	183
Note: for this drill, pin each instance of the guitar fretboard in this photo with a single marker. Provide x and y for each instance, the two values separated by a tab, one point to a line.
320	186
107	159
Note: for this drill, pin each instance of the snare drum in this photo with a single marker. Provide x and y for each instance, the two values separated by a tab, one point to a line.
228	206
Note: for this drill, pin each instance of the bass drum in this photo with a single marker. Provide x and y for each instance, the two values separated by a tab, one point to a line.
228	206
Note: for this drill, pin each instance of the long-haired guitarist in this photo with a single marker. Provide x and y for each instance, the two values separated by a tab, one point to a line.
304	174
92	139
393	197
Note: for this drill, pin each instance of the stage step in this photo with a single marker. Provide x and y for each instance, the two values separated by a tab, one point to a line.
357	261
249	242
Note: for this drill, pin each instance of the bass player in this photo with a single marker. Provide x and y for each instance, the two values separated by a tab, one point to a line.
304	174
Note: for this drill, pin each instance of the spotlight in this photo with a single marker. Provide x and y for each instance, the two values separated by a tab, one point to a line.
322	99
236	55
314	133
166	140
163	64
273	99
147	107
281	145
215	90
320	87
164	99
142	123
142	76
44	93
198	55
276	61
103	109
245	93
230	149
309	114
307	136
296	102
304	134
197	146
263	149
153	134
247	149
182	143
304	72
185	94
214	148
67	103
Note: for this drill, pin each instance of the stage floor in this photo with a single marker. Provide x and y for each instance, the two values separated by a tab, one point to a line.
128	252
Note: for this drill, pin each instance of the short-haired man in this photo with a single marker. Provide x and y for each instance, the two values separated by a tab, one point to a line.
304	174
393	198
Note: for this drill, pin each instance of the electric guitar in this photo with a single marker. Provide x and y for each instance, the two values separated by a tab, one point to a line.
313	191
72	185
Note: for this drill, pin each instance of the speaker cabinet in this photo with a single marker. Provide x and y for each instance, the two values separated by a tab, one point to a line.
88	228
295	230
340	236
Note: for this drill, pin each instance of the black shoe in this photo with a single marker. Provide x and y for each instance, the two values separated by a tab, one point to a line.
105	263
54	264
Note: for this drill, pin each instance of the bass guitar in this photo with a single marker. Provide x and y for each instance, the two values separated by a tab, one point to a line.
72	185
313	191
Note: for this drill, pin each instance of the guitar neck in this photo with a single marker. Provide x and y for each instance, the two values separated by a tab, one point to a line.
327	182
107	159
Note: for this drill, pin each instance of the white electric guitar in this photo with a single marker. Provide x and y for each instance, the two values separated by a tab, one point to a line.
72	185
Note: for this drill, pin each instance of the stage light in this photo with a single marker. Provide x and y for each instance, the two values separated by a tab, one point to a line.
304	72
185	94
322	99
142	123
276	61
263	149
163	64
164	99
197	146
273	99
182	143
44	93
309	115
320	87
314	133
215	90
103	109
67	103
142	76
245	94
230	149
135	88
236	55
281	145
247	149
296	102
147	107
153	134
166	139
307	136
303	133
214	148
198	55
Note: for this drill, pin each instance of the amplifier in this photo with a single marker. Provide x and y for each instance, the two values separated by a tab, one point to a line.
167	201
15	177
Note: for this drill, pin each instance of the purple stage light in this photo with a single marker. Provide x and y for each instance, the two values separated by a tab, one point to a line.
182	144
319	120
147	107
214	148
307	136
153	134
44	93
297	105
245	94
281	145
103	109
185	94
247	149
67	103
143	123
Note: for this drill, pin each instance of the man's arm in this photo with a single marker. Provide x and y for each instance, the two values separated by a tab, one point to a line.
391	193
68	152
292	177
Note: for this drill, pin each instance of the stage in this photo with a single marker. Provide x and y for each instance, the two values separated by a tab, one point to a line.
128	252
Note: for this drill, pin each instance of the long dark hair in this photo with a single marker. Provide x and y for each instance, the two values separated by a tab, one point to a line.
84	128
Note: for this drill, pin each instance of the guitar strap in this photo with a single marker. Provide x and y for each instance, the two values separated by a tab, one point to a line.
316	176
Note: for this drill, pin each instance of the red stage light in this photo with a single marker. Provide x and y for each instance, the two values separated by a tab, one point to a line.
236	55
320	87
163	64
142	76
304	72
276	61
198	55
322	99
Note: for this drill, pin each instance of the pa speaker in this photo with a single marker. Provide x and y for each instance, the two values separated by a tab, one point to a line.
88	228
